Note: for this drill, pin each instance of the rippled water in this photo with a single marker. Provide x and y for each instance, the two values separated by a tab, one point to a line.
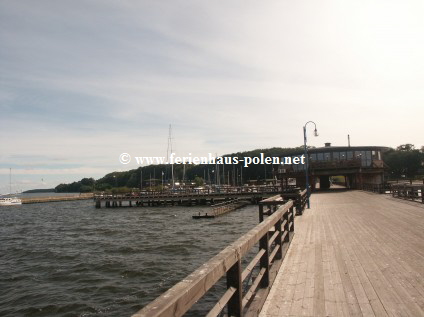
70	259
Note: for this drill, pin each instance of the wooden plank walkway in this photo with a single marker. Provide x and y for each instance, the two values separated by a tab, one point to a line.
354	254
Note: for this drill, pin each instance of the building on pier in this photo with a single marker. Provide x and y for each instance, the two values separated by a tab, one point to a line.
359	165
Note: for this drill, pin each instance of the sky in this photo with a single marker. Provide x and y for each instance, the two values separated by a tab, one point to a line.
83	81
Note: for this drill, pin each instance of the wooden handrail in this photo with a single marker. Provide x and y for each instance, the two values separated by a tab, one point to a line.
180	298
411	192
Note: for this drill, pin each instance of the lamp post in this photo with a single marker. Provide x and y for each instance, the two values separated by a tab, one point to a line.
308	190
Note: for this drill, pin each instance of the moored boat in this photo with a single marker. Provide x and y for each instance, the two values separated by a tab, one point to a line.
10	201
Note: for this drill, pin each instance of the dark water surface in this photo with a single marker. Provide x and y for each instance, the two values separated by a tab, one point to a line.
70	259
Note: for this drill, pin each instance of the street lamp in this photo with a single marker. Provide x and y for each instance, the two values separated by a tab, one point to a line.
308	190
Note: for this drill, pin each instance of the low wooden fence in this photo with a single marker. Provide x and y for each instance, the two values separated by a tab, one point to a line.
273	235
377	188
410	192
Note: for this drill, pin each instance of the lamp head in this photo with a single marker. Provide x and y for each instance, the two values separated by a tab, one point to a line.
315	132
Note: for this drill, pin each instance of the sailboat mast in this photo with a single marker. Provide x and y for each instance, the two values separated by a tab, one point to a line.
170	147
10	180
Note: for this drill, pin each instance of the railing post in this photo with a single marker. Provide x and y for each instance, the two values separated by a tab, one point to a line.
278	240
286	226
261	212
235	307
422	193
264	262
292	218
297	203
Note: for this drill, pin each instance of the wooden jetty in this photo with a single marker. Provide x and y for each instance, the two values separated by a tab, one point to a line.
354	253
186	197
222	208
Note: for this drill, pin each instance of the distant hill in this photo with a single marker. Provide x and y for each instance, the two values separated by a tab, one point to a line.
49	190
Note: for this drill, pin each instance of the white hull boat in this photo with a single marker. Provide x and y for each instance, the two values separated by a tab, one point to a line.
10	201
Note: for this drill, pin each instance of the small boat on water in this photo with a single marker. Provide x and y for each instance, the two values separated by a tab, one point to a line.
10	201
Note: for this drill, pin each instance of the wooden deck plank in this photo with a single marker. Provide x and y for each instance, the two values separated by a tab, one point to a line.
392	269
353	254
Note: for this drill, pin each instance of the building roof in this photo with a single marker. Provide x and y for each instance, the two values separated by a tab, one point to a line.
344	148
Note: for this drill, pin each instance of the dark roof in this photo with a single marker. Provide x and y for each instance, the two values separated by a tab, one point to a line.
344	148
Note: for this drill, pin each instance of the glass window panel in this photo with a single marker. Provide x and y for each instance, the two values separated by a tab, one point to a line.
349	155
363	158
369	158
320	156
336	156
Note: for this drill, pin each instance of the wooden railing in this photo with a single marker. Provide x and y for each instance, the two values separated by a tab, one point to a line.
377	188
269	206
411	192
273	235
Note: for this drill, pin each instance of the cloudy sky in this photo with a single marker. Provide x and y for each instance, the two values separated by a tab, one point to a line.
83	81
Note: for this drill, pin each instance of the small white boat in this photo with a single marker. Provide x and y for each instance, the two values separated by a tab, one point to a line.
10	201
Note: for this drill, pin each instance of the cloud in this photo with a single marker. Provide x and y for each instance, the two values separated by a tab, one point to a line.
85	81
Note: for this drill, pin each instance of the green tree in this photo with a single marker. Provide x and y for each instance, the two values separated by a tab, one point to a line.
198	181
406	147
405	160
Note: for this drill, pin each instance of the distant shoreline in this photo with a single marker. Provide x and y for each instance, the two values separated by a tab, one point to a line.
32	191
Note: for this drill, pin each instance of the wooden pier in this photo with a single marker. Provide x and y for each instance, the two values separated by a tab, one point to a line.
222	208
354	253
185	198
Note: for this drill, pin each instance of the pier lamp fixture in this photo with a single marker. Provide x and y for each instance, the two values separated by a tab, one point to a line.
308	190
